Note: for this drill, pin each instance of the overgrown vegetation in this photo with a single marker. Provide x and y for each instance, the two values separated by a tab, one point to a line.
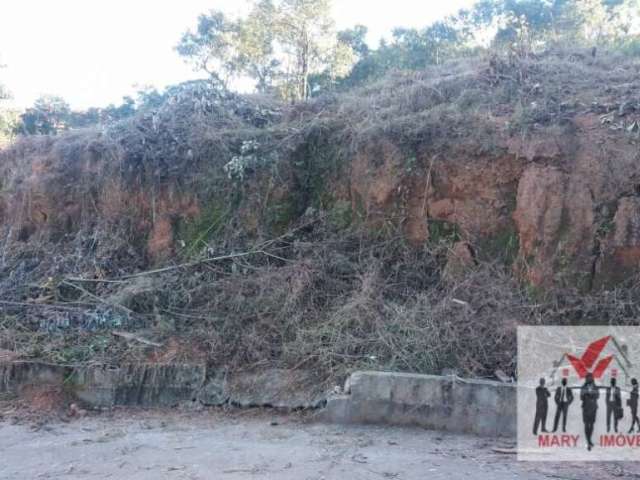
292	51
8	117
315	300
226	228
302	282
289	46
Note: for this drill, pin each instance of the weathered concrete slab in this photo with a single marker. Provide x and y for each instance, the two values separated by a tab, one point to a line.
441	403
275	388
106	386
140	385
154	385
15	375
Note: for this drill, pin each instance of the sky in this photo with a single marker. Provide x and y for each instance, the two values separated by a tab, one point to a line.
93	52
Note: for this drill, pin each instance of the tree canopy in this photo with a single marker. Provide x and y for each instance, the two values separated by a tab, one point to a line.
51	114
8	116
520	27
291	48
280	44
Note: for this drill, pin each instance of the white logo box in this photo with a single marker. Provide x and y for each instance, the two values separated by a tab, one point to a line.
556	352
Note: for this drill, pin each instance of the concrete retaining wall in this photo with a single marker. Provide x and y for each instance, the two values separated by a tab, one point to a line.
152	385
441	403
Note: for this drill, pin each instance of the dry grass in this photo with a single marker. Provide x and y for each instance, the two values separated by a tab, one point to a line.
320	297
333	305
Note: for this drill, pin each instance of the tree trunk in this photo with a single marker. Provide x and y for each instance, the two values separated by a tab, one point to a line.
304	68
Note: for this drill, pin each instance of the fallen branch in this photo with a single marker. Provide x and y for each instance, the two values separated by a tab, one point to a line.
95	297
195	263
93	280
39	305
189	264
131	336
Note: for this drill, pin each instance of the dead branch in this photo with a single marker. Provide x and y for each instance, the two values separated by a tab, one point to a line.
95	297
131	336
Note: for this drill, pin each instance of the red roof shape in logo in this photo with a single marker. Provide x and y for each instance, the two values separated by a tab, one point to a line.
590	361
584	364
611	348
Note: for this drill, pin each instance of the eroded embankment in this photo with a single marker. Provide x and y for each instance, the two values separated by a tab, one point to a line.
372	229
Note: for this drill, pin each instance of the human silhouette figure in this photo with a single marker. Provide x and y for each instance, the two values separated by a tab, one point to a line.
633	405
563	398
542	407
614	405
589	395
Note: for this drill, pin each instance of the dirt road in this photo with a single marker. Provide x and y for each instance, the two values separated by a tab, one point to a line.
252	445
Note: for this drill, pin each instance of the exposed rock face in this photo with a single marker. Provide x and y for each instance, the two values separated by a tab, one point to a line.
476	194
538	214
566	206
376	181
566	200
48	198
556	194
621	249
555	221
626	233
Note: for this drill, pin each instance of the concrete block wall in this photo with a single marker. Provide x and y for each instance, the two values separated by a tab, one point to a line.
436	402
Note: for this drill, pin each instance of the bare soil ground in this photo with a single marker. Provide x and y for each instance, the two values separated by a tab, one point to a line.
173	444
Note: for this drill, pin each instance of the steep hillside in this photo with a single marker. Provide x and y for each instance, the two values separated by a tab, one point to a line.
408	225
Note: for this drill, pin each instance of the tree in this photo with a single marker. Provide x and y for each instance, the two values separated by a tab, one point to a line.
7	115
520	26
443	38
280	44
519	23
212	47
304	29
49	115
148	97
409	49
527	25
356	38
8	122
113	113
256	46
607	21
